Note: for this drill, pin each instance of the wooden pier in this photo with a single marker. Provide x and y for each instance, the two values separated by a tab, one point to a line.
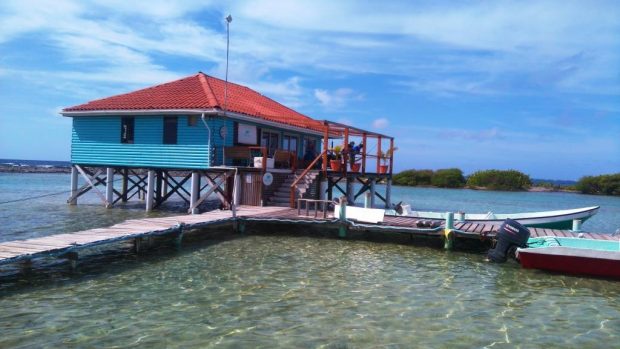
68	245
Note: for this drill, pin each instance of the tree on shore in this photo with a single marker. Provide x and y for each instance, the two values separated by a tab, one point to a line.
448	178
499	180
608	184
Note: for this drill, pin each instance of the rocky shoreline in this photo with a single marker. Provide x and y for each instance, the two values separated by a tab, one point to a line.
34	169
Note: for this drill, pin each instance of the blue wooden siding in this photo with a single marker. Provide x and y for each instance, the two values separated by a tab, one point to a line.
96	141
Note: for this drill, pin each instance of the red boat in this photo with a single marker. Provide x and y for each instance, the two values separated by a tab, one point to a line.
599	258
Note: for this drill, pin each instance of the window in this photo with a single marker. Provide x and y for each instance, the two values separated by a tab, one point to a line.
127	127
170	129
271	140
192	120
290	143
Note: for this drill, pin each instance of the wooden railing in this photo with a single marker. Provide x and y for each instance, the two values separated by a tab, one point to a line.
303	174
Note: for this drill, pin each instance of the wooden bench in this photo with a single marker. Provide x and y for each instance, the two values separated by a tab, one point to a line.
239	155
282	158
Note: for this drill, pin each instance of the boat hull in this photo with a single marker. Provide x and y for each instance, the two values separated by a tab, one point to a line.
572	261
550	220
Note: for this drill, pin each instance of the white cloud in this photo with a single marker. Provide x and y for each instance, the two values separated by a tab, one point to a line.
380	123
337	98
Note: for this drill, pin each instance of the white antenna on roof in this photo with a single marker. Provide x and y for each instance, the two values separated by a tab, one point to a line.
228	20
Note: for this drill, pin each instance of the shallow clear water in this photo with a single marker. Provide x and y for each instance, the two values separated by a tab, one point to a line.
275	291
289	290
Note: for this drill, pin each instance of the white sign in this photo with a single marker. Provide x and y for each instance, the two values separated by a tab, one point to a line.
267	178
246	134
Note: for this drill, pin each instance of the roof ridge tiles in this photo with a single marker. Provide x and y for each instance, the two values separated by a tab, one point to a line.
208	90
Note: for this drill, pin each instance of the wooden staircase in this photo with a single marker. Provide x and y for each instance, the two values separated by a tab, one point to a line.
281	197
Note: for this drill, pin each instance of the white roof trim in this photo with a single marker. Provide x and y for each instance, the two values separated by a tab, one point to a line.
211	111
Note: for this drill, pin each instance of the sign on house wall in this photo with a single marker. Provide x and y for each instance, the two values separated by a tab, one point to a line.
246	134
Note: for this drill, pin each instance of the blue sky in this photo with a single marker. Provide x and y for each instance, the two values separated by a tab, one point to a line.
533	86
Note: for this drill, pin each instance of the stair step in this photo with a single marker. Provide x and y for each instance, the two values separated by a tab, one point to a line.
277	199
279	204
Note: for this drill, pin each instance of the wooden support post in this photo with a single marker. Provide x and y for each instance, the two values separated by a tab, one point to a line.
345	150
195	192
342	228
237	190
391	156
72	257
350	193
448	232
323	189
364	153
325	146
388	194
125	185
137	245
26	266
74	185
150	190
576	225
178	241
109	188
164	185
158	185
367	199
372	192
378	153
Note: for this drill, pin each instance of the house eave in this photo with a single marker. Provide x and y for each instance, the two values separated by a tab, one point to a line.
209	111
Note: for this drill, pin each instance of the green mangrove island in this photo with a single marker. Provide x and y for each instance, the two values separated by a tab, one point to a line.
508	180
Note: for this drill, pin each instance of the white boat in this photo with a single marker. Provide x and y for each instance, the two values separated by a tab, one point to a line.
560	219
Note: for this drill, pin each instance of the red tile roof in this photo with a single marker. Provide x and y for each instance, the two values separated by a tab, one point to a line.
201	91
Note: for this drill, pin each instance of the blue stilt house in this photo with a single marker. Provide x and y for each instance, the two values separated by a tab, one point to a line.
198	129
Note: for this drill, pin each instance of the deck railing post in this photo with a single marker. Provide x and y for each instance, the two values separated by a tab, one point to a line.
74	185
576	225
150	190
109	189
364	140
448	232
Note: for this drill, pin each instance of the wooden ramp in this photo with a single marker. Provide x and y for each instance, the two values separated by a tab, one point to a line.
57	245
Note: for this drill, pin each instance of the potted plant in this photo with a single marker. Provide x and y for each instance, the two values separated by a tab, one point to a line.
384	158
354	152
336	162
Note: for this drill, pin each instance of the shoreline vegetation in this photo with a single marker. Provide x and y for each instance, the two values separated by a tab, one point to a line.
506	180
502	180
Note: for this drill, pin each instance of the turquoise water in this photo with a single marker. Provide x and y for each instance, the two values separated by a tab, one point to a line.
284	288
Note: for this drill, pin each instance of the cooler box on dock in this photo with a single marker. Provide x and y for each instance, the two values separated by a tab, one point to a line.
258	162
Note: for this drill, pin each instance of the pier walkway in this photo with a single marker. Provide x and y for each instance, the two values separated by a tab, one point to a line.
66	245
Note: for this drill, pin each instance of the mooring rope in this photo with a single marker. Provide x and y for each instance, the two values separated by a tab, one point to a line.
42	196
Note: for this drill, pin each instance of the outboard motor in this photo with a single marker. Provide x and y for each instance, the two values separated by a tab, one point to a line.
511	234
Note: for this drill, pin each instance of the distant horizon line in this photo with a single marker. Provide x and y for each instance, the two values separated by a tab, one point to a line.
3	160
